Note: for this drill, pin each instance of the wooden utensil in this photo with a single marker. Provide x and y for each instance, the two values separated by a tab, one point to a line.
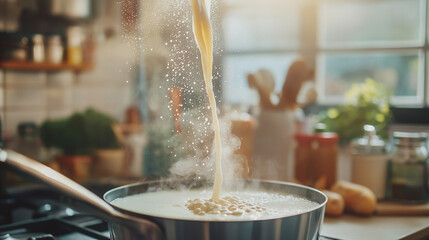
389	208
297	74
263	82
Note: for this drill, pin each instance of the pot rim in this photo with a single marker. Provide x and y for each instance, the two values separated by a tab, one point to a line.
320	206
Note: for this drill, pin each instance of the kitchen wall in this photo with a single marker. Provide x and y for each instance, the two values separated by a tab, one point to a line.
39	95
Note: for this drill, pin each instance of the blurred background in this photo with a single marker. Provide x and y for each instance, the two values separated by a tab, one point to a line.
111	92
133	65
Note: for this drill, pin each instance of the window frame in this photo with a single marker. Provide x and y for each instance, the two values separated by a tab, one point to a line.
375	44
421	99
311	49
400	101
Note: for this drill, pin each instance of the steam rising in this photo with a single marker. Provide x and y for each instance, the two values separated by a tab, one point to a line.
172	60
198	162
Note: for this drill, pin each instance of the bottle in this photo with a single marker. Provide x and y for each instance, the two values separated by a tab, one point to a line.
408	168
369	162
38	48
55	49
74	45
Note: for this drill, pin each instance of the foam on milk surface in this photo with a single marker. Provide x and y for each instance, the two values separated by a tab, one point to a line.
172	204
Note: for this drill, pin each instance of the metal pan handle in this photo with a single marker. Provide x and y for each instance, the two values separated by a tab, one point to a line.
88	201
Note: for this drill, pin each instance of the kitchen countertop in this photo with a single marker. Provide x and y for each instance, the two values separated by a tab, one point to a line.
375	227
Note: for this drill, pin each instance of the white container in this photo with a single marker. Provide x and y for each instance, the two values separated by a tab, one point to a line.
273	145
370	171
369	162
38	48
54	50
135	144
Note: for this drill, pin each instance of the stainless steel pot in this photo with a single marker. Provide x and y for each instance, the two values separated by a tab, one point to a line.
125	224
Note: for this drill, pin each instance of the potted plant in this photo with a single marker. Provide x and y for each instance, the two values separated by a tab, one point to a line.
105	147
366	103
79	137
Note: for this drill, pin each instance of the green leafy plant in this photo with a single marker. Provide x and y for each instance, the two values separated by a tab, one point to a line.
366	103
162	150
80	134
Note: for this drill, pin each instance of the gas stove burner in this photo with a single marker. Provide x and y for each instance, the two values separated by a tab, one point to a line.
78	226
6	236
50	209
42	237
51	219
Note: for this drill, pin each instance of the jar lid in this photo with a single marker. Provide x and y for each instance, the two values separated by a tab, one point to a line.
406	138
54	39
326	138
75	36
37	38
26	129
370	143
304	138
410	136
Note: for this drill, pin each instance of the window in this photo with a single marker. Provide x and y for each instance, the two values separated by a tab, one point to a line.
400	71
257	35
237	66
382	39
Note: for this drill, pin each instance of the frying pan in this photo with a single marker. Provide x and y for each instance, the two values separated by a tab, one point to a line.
128	225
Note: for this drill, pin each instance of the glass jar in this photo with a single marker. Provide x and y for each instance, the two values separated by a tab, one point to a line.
55	49
369	162
408	168
303	158
38	48
28	142
325	158
74	45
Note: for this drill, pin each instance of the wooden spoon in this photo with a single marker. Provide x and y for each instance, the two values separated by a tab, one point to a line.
297	74
263	82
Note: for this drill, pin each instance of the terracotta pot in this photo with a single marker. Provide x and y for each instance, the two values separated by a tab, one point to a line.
76	167
108	162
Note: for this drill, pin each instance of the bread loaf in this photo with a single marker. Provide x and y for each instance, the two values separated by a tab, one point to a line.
357	198
335	205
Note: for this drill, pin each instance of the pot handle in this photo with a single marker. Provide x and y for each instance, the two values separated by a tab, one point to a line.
86	200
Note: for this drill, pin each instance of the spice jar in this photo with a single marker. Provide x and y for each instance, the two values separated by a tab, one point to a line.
325	158
74	45
303	158
38	48
55	49
369	162
408	168
28	143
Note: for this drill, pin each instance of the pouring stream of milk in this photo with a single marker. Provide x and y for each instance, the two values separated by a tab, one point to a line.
203	37
240	205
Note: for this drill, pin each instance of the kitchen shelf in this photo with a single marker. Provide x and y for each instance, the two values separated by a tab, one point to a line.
31	66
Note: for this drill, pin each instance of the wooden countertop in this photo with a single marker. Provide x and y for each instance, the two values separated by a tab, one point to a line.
376	227
32	66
